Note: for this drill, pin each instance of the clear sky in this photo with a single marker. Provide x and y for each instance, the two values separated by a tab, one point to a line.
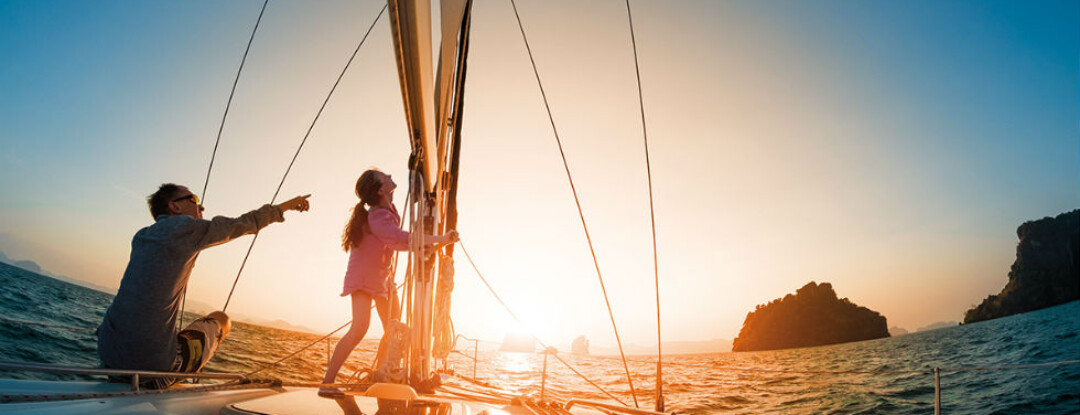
889	148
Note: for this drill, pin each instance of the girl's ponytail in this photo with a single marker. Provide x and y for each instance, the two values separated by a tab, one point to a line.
367	189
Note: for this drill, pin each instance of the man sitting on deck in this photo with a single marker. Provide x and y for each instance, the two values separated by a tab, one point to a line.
139	328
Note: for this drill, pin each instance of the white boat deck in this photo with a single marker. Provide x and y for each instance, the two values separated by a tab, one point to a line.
67	397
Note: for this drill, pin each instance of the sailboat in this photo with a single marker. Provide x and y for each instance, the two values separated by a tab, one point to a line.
405	379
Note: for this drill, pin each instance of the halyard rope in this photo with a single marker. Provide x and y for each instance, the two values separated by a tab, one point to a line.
577	201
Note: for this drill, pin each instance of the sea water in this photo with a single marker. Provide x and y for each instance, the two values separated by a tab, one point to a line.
44	320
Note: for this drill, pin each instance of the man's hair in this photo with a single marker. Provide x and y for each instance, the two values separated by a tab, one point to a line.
159	201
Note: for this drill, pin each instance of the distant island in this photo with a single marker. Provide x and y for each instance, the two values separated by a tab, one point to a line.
813	316
580	346
32	266
939	325
518	343
1046	271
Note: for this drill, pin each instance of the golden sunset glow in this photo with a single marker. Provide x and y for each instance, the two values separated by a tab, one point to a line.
896	167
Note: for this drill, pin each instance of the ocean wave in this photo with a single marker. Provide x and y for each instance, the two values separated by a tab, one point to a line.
49	321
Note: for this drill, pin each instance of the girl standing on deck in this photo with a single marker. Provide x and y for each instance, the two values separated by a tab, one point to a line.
371	236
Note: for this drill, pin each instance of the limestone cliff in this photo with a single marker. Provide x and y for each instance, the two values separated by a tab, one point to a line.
814	316
1046	271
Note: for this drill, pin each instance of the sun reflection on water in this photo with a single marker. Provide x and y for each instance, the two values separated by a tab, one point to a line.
518	372
515	362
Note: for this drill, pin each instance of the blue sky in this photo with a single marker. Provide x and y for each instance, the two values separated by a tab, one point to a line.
890	148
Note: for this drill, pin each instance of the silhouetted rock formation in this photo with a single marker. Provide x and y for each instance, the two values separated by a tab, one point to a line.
811	317
580	345
518	343
1046	271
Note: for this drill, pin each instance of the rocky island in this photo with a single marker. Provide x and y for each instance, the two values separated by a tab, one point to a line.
813	316
580	346
1046	271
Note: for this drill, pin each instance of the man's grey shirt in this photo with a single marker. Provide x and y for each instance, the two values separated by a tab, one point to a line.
139	329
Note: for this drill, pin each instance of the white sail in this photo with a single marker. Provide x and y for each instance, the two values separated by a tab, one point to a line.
410	21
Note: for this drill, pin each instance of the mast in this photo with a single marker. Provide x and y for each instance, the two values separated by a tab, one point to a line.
433	107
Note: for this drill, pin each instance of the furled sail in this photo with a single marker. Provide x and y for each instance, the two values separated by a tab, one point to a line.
449	103
410	21
452	24
433	112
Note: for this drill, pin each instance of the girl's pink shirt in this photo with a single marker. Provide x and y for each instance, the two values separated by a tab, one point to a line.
369	260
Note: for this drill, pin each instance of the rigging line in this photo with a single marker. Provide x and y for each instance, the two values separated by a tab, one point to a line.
567	364
228	104
298	351
302	142
511	312
221	127
309	346
577	201
652	216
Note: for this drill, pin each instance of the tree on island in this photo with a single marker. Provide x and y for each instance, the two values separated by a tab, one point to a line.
813	316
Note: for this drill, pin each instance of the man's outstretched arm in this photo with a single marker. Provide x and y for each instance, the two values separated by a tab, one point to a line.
222	229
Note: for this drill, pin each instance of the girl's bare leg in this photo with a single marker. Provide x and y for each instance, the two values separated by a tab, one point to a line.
361	311
382	304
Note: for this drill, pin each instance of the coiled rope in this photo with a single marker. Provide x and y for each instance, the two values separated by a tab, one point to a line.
301	146
577	201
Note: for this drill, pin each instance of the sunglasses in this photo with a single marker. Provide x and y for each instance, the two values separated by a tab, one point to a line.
194	199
